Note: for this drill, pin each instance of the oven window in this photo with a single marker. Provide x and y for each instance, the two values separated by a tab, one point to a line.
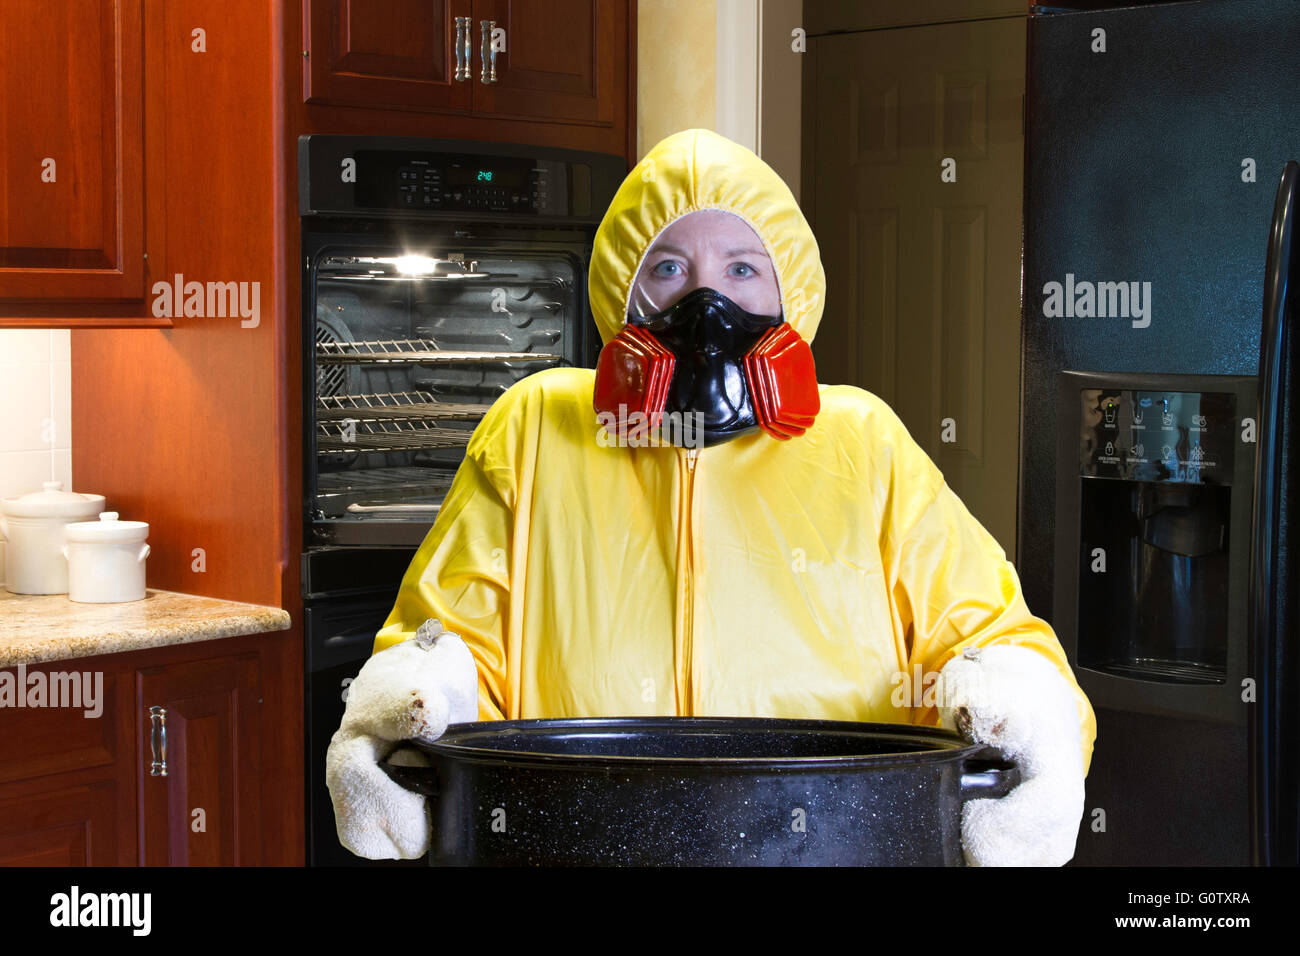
410	351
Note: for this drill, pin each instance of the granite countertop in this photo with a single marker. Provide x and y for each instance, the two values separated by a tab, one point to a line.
49	627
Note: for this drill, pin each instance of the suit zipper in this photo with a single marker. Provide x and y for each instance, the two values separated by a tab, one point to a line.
688	615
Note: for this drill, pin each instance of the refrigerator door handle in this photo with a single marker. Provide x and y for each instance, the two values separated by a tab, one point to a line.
1273	838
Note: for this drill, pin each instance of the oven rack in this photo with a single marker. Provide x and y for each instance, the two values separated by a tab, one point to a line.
403	481
390	421
410	440
418	352
360	491
395	405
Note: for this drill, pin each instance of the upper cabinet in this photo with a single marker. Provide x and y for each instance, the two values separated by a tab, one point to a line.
394	54
71	152
562	63
557	60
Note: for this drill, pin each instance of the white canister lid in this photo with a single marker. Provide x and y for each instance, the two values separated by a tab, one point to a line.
107	528
53	502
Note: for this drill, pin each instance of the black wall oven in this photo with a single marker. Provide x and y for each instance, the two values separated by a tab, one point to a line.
435	274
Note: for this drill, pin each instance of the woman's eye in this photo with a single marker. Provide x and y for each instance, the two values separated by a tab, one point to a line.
666	269
743	270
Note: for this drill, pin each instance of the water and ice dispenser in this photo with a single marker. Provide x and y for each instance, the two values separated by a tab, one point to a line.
1153	581
1154	492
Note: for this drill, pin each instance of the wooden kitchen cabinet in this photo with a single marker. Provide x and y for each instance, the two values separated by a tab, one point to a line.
77	790
71	150
390	54
567	68
560	61
72	824
201	807
65	778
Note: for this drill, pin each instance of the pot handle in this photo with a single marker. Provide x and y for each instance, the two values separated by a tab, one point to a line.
987	774
422	780
144	553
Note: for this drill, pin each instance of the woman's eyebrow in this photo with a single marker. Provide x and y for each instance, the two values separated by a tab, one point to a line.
747	251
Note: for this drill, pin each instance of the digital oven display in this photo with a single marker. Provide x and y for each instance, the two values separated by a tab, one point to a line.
507	177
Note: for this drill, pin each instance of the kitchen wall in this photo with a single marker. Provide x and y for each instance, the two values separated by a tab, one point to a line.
725	65
675	82
35	411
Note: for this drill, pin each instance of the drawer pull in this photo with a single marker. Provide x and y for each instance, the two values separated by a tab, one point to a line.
463	30
158	741
488	57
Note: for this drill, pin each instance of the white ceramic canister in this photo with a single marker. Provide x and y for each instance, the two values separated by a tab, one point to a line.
106	559
33	527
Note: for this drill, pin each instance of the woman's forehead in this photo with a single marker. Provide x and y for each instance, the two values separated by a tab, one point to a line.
710	229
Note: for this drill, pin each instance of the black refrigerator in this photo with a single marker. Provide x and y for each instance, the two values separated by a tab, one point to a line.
1157	431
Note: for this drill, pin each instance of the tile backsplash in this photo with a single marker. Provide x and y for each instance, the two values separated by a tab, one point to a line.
35	411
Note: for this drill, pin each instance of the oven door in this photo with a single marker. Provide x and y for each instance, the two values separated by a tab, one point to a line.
410	344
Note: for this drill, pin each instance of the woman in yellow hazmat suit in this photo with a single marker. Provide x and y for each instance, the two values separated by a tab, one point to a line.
830	575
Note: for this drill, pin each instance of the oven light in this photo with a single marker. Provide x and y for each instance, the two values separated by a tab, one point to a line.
415	265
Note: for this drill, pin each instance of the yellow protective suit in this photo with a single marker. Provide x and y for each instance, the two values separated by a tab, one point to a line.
757	577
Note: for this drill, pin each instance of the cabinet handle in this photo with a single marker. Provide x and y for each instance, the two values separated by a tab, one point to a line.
158	741
464	27
488	55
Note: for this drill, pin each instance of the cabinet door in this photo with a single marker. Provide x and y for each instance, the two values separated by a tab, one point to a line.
63	826
384	54
71	151
559	59
206	810
63	798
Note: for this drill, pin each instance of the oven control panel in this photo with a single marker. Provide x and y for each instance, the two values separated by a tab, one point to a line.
363	176
463	184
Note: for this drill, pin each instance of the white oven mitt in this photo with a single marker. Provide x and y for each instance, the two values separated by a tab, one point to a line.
410	691
1015	699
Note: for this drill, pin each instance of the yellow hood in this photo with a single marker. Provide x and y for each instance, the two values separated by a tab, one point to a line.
698	169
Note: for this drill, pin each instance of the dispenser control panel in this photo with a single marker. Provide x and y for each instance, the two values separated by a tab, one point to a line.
1158	435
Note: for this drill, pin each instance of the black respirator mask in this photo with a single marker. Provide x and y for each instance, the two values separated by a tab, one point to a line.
709	363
